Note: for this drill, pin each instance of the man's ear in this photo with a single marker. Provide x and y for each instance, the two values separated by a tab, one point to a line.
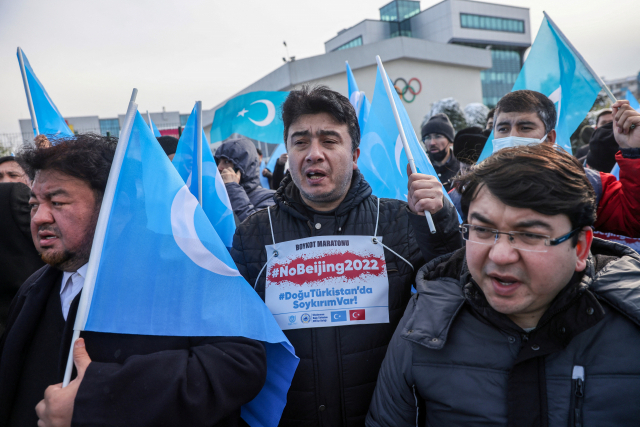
585	238
356	154
551	137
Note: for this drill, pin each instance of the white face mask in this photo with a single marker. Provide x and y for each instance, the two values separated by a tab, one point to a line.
514	141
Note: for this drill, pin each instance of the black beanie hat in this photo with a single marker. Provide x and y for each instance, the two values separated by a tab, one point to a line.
468	144
602	149
439	123
169	144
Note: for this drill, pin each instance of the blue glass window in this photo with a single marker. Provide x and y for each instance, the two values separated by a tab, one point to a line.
491	23
110	125
353	43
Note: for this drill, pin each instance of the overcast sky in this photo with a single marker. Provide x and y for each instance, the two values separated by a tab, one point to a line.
90	54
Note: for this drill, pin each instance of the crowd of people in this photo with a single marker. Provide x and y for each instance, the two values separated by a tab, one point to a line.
519	316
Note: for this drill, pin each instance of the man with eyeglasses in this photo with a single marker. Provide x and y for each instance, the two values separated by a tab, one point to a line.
533	323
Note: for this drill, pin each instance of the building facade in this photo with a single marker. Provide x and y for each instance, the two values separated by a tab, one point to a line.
503	30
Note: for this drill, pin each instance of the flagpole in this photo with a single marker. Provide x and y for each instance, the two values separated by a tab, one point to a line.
403	137
101	229
27	90
576	53
199	148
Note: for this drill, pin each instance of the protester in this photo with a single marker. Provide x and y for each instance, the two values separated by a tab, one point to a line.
122	379
12	171
603	117
437	136
169	144
528	117
239	167
533	323
18	257
277	176
585	136
602	149
324	194
468	145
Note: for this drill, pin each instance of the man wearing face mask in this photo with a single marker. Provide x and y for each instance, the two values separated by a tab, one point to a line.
437	136
525	117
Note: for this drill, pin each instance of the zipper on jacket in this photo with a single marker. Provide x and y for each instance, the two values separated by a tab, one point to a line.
577	380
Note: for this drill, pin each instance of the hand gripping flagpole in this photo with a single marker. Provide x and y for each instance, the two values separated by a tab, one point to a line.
199	147
576	53
403	137
27	91
101	228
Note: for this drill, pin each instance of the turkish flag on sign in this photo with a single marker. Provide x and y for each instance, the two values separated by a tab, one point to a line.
356	314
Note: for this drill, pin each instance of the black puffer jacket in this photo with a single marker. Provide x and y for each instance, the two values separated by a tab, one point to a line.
248	196
338	366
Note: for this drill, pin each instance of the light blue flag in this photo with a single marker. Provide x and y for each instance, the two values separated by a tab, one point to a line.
161	269
154	128
279	151
382	160
557	70
358	99
255	115
48	119
633	102
215	200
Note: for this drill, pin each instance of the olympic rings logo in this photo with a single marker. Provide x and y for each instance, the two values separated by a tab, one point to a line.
407	88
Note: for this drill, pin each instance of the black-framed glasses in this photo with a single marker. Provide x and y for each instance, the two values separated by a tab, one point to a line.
522	240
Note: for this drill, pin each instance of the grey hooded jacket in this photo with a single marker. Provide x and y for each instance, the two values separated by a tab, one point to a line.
455	361
248	196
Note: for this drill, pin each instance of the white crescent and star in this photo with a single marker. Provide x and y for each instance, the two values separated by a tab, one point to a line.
183	228
271	113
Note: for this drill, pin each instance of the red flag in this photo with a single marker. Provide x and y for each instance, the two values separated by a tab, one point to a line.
356	314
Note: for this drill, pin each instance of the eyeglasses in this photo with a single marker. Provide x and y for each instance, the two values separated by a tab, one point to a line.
521	240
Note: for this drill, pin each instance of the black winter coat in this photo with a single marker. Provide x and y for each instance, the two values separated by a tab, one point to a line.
455	361
135	379
338	366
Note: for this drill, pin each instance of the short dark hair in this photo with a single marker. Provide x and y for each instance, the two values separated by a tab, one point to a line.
12	159
528	101
320	99
85	156
538	177
259	151
491	113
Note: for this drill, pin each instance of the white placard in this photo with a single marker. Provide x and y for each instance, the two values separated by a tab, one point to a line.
327	281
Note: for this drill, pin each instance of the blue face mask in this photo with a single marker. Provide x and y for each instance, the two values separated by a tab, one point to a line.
514	141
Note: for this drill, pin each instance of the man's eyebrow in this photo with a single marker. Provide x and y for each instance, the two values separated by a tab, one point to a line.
502	123
322	132
58	192
525	122
480	218
300	133
534	223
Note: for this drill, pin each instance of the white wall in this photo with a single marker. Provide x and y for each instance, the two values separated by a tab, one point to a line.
438	81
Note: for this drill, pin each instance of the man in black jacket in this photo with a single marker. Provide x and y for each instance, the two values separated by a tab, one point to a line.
122	380
534	323
324	194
